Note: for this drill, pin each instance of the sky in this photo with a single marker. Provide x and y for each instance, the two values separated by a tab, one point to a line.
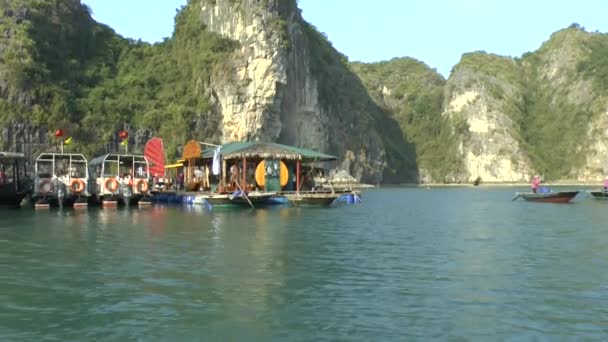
436	32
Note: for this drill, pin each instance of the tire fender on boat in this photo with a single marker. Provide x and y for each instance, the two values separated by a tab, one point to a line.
43	189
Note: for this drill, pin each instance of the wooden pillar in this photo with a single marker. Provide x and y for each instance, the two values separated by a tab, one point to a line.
187	173
223	181
244	183
298	171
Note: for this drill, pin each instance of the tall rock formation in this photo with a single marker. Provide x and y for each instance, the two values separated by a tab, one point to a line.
288	84
481	100
537	114
255	70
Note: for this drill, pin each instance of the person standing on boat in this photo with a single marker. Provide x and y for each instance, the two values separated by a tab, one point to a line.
535	183
606	183
234	171
180	181
198	174
205	183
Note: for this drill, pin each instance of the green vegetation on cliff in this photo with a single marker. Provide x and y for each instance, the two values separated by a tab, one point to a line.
546	96
413	94
65	70
340	88
60	68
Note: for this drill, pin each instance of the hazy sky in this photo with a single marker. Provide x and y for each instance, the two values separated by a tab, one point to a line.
434	31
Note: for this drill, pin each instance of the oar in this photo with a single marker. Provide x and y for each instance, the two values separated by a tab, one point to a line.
516	197
244	194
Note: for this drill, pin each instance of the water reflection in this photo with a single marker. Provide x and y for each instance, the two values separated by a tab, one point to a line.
407	264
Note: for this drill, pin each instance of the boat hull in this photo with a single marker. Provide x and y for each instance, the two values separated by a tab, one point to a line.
12	200
602	195
551	197
46	201
319	199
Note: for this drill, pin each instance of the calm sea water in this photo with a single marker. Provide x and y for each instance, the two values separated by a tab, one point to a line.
406	264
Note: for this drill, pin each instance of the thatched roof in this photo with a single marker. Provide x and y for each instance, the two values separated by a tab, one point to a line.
239	150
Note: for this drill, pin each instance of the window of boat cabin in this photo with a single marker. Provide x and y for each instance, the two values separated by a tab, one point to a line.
7	172
110	167
21	170
126	166
141	168
44	168
70	166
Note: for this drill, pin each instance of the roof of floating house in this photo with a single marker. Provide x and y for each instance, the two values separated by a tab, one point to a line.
238	150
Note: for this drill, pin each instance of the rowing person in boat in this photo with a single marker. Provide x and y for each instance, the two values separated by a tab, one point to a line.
535	183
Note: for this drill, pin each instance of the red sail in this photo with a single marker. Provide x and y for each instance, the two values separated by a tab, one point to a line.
155	153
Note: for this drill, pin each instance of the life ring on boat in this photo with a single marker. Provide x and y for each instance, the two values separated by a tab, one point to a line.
111	184
77	186
142	186
45	186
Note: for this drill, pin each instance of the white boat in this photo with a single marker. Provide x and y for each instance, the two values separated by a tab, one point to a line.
62	179
121	179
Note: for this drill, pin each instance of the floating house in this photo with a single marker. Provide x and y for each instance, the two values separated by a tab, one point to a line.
255	171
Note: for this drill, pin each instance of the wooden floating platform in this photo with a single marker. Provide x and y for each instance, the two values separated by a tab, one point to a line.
109	204
81	205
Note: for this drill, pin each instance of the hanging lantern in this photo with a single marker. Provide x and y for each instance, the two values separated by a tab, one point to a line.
58	133
123	134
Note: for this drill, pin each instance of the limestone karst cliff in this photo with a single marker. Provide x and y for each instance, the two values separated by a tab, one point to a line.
255	70
502	119
288	84
233	70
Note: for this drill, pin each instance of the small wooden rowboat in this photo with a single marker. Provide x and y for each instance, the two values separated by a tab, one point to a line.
599	194
548	197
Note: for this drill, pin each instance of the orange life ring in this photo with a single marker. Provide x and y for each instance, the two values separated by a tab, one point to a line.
111	184
142	186
41	186
77	186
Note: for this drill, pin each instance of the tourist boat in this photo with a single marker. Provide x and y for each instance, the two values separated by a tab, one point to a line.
548	197
61	180
121	179
14	183
599	194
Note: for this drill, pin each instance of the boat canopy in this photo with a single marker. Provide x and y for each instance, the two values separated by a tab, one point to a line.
261	150
61	164
117	164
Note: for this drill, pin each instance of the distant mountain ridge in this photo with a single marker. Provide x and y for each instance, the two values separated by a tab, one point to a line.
504	119
255	70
